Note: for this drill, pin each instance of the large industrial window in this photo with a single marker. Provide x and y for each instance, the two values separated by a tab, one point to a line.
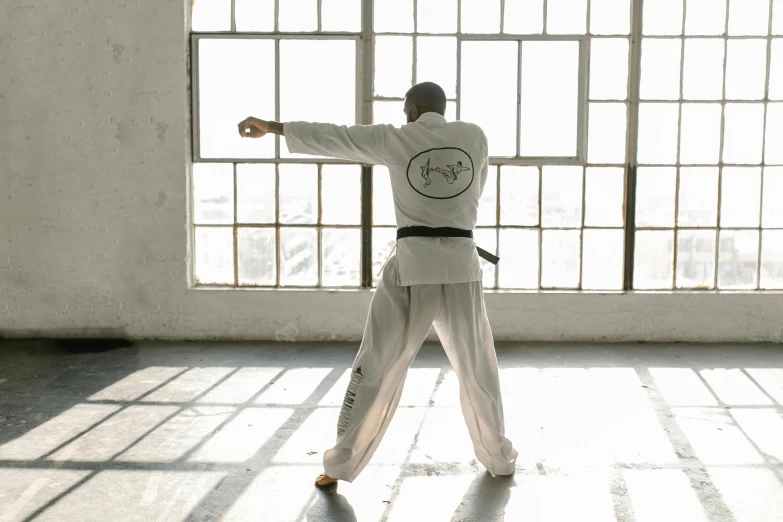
617	162
710	145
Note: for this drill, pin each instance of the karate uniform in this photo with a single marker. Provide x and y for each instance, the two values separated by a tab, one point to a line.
438	171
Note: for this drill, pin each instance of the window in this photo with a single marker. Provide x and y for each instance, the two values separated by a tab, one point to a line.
262	216
708	146
614	164
529	100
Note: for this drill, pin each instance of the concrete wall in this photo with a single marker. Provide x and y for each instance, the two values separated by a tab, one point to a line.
94	158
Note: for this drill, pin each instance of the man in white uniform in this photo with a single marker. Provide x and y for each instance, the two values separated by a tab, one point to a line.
438	170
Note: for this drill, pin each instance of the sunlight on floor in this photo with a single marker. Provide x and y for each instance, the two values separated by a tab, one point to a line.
663	494
595	443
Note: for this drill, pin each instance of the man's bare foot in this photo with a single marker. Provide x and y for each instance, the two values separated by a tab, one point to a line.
324	480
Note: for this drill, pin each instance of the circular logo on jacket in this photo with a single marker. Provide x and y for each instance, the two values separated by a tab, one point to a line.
442	173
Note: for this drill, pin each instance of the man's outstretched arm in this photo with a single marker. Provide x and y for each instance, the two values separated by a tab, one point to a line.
361	143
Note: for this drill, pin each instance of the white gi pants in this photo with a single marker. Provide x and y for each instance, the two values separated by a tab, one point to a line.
397	325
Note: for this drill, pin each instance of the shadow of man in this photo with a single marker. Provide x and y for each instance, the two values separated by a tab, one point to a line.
485	500
330	507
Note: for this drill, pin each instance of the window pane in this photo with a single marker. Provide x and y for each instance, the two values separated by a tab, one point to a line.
390	112
383	240
255	15
214	255
332	63
660	69
777	17
610	16
298	15
341	194
382	201
604	196
746	69
560	258
523	16
740	197
653	260
749	17
252	92
773	151
436	61
776	69
480	16
341	15
257	256
606	133
550	98
698	202
662	17
489	92
658	133
298	193
487	238
329	63
602	260
773	194
213	193
487	210
341	256
393	16
772	259
743	132
436	16
609	69
655	192
561	196
298	256
738	259
519	196
211	15
696	259
393	65
519	251
700	140
703	69
706	17
566	17
256	193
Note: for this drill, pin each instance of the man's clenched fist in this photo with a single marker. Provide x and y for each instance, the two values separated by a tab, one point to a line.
253	127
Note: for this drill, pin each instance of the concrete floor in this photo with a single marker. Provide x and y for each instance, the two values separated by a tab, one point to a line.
159	432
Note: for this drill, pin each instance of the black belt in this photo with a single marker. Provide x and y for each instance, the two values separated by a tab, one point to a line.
444	232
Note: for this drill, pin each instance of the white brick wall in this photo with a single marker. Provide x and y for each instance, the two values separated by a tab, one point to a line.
93	166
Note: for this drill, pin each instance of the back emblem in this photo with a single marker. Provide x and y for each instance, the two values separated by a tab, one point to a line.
442	173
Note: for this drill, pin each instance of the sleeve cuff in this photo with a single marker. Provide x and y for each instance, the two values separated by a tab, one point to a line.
292	141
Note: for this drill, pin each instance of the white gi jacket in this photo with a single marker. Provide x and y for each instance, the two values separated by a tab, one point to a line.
438	170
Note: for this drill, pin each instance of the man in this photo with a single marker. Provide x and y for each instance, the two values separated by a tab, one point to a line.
435	276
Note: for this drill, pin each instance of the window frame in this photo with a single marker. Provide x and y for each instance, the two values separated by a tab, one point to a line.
365	98
195	38
724	100
364	110
364	89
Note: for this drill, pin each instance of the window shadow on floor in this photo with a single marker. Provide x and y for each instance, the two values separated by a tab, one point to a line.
231	431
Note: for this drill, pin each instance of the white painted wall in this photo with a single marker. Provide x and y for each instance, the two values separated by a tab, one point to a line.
93	237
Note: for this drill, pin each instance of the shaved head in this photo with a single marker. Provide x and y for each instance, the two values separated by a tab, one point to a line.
424	97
